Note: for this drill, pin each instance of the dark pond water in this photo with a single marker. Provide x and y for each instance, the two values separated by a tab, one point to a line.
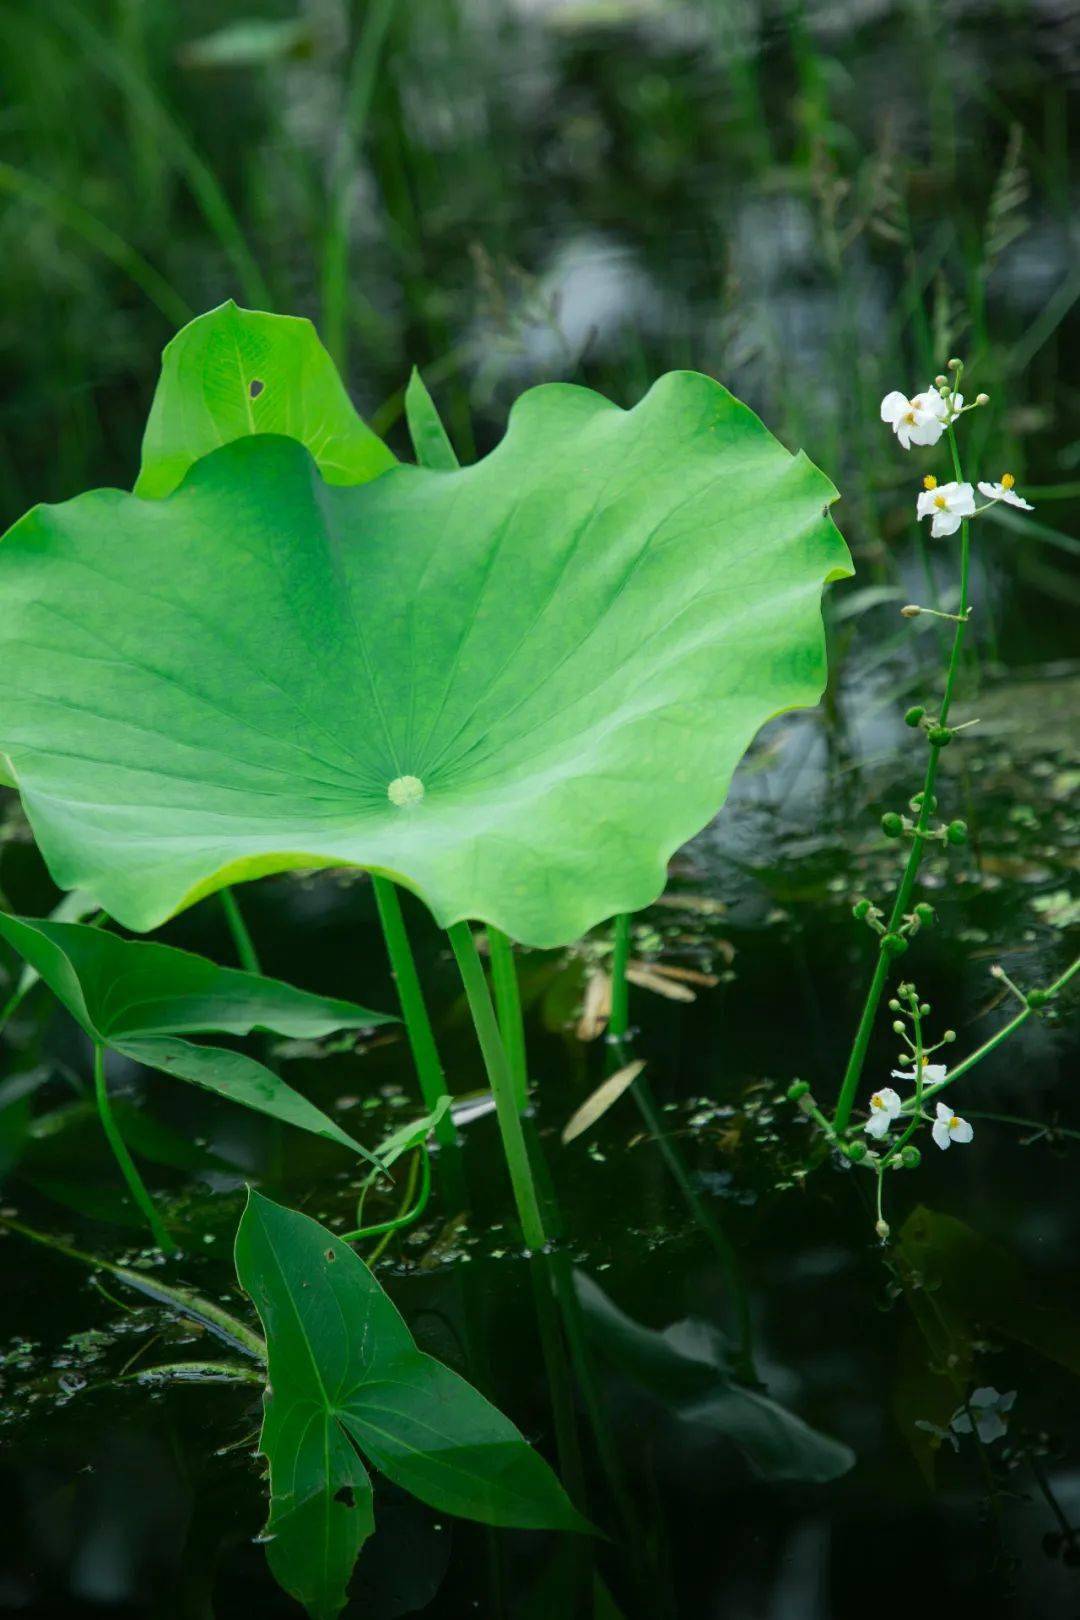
769	1415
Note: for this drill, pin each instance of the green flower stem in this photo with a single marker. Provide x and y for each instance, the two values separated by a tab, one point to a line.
508	1005
861	1043
1002	1035
502	1083
619	1021
413	1007
123	1158
238	928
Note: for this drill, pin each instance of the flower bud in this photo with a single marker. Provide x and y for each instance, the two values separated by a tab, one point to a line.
898	1027
892	825
941	381
797	1089
882	1230
893	945
860	909
911	611
910	1157
855	1151
955	364
925	913
956	832
949	1035
1037	998
914	715
982	399
924	1009
939	736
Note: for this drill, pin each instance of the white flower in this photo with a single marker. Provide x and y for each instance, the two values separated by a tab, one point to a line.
918	420
1004	491
932	1073
949	1127
947	504
884	1107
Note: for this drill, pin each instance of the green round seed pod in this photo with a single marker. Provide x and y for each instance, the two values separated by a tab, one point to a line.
894	944
910	1157
939	736
855	1151
914	715
925	913
860	909
956	832
1037	998
892	825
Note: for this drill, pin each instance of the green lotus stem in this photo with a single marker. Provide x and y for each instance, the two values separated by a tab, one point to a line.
238	928
123	1158
413	1007
619	1020
861	1043
508	1006
502	1083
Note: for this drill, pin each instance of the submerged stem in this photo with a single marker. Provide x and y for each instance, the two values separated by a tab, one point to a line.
413	1007
861	1043
508	1005
502	1084
123	1158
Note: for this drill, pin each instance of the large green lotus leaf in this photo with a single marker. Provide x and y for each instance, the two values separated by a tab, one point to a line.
234	372
516	688
344	1372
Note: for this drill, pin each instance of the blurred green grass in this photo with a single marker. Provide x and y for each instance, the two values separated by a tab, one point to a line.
815	202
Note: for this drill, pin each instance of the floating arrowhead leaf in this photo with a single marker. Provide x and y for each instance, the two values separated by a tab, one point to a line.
516	688
344	1372
233	372
139	997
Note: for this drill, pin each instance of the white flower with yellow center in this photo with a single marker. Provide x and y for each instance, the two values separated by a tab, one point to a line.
918	420
949	1127
932	1073
1003	491
884	1107
947	504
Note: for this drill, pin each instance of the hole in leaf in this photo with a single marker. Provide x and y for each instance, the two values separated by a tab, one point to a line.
255	387
330	1255
346	1495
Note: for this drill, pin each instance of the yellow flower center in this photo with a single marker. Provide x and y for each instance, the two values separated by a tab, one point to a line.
929	482
875	1101
1007	480
941	503
910	417
954	1122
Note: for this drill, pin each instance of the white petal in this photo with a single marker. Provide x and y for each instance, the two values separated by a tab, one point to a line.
961	1131
924	506
893	406
933	1072
940	1133
878	1125
927	430
1013	499
963	499
993	492
944	1111
944	523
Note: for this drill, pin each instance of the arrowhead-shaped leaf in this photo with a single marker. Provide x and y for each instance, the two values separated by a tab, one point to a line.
516	688
138	997
233	372
343	1368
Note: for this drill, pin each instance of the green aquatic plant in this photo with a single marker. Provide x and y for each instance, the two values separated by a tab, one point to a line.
922	419
347	1383
515	688
142	1000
